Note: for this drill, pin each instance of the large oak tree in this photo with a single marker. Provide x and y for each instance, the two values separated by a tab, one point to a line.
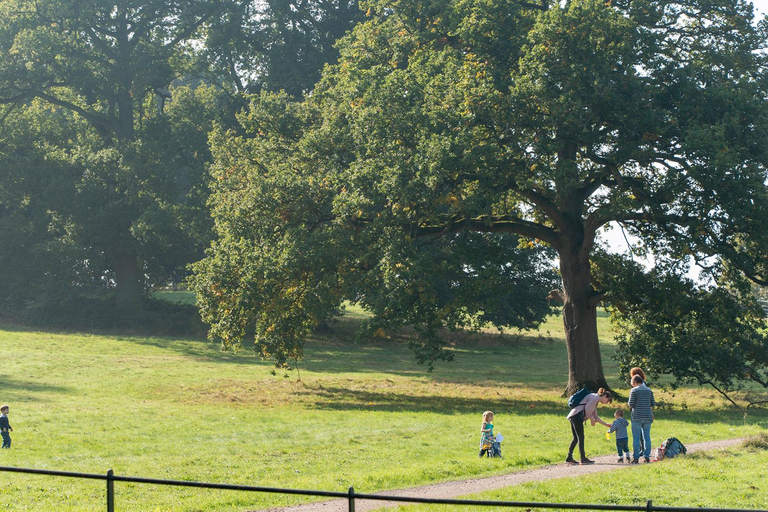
485	119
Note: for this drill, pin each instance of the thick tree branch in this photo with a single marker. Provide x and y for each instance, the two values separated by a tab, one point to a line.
486	224
18	98
96	120
543	202
725	394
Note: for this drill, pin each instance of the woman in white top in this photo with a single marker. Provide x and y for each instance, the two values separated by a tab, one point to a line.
586	409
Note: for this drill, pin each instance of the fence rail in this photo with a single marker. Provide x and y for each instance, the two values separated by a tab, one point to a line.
351	496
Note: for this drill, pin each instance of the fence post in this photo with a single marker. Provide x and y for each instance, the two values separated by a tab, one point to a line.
351	499
110	491
649	506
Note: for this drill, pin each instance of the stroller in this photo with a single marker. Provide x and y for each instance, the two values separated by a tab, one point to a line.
494	448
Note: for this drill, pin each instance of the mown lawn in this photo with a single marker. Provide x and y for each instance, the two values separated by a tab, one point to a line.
731	478
352	415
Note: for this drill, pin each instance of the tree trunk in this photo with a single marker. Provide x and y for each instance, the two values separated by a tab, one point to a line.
585	365
128	288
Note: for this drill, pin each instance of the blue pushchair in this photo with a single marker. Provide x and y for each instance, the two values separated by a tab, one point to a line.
494	448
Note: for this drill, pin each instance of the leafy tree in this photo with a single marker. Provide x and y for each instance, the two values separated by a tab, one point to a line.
278	44
110	63
669	325
38	257
284	262
544	120
64	200
115	65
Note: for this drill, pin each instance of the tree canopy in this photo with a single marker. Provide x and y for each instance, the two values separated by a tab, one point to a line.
132	90
511	129
278	44
105	63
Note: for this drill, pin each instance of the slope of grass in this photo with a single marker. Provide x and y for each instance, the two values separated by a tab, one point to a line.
180	409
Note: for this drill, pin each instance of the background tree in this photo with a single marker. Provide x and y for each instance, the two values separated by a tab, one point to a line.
542	121
67	199
282	263
102	61
39	257
140	208
278	45
713	336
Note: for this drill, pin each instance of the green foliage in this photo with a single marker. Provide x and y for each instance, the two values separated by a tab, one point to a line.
73	205
278	45
292	246
41	259
668	325
130	170
540	122
130	167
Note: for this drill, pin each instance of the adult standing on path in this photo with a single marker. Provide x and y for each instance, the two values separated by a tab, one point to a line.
586	409
641	402
638	371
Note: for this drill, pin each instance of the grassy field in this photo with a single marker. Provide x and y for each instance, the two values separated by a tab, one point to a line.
732	478
177	408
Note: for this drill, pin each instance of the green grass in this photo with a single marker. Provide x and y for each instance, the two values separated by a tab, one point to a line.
731	478
175	296
177	408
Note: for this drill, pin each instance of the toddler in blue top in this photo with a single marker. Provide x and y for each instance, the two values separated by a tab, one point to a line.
619	426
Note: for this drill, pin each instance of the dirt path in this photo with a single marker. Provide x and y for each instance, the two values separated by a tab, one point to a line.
450	490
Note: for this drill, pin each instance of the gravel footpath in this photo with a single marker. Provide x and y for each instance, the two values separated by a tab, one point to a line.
451	490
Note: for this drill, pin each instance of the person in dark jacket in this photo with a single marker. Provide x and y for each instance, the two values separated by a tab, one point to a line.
5	426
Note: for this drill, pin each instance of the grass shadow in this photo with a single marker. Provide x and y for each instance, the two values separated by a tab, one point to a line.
343	399
499	357
11	384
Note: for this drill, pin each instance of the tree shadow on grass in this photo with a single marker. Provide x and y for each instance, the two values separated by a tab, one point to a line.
510	360
10	385
478	357
198	348
342	399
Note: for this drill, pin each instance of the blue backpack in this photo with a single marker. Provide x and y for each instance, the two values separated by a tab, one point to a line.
670	448
576	398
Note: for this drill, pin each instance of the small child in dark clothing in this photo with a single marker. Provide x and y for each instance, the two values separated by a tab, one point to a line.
619	426
5	426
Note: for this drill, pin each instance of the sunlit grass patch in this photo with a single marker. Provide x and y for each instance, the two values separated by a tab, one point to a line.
181	408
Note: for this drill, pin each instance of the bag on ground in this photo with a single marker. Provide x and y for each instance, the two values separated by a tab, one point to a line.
576	398
670	448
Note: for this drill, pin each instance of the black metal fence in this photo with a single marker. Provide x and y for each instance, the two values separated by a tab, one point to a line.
351	496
